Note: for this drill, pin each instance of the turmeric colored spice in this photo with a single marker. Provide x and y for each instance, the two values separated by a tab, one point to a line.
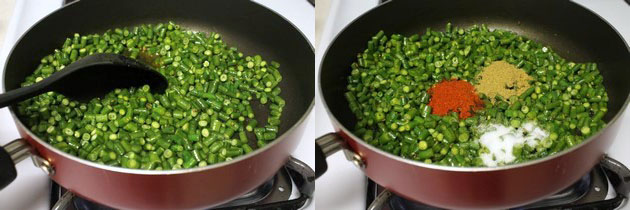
454	95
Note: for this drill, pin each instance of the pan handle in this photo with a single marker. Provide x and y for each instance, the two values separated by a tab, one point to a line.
327	145
11	154
14	152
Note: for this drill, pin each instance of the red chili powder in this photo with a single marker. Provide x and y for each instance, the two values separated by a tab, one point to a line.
454	95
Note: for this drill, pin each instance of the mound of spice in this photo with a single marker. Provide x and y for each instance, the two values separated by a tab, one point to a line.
503	79
505	144
454	95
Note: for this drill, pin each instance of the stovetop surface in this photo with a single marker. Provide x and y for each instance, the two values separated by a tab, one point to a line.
344	186
590	192
276	193
31	189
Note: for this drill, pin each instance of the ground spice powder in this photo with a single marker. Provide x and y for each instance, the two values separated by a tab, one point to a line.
454	95
503	79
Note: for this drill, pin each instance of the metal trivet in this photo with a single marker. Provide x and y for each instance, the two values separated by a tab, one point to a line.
587	193
273	194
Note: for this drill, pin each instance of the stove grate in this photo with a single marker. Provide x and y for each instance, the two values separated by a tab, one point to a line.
273	194
588	193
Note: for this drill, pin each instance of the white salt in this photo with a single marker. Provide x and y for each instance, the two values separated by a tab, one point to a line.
501	140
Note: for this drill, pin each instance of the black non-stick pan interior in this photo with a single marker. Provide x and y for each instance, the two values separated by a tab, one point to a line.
250	27
572	31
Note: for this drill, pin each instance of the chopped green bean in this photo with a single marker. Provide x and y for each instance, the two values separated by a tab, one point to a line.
204	117
388	93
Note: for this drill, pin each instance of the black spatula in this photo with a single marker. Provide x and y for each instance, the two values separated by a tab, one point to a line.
90	77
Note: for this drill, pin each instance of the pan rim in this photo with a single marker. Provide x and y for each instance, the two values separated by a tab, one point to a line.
282	137
342	128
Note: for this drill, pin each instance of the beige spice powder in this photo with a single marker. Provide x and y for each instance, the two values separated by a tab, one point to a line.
503	79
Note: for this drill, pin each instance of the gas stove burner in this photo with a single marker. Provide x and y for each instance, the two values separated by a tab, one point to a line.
587	193
273	194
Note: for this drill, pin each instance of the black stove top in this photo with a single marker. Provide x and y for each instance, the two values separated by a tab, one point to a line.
589	192
273	194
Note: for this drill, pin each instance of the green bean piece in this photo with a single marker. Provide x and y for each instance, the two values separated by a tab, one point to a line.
388	83
206	109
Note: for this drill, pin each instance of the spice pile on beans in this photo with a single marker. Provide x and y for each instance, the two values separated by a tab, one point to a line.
455	95
436	97
205	116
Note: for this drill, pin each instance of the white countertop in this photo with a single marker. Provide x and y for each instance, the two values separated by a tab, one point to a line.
31	189
343	186
6	10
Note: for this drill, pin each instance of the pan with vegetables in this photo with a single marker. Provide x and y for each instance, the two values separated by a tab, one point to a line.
231	115
468	105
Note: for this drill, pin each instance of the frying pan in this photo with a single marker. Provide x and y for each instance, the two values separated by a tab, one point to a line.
575	33
250	27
